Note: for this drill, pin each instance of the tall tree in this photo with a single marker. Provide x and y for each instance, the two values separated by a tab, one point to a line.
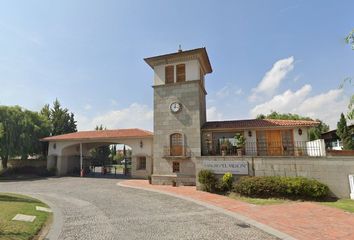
314	132
101	153
21	131
61	120
350	39
344	133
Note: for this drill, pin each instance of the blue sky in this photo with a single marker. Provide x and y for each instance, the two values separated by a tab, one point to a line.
288	56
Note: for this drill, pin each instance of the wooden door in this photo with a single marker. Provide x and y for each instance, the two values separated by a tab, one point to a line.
176	144
274	143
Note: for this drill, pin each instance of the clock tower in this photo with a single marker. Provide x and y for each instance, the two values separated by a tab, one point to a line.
179	113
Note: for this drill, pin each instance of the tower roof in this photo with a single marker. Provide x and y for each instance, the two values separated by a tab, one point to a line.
198	53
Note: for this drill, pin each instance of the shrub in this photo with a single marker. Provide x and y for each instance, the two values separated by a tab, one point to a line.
283	187
27	170
208	180
226	181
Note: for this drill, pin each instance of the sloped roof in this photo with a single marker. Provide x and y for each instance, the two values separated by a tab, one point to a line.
101	134
201	52
258	123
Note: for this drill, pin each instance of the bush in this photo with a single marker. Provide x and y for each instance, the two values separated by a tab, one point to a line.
226	181
27	170
208	180
281	187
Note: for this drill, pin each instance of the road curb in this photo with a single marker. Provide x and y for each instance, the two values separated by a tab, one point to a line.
237	216
57	224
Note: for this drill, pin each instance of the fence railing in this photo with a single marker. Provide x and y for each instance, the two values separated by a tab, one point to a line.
266	148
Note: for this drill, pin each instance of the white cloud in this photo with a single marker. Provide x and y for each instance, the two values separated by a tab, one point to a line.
224	92
325	106
213	114
135	116
273	78
283	102
114	102
239	91
87	107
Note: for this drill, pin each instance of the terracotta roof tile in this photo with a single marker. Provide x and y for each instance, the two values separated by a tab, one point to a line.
101	134
259	123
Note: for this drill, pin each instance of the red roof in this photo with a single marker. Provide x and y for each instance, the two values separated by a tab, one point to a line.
259	123
101	134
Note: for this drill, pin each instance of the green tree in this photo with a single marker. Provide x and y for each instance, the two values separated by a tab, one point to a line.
1	130
34	127
350	39
101	153
60	119
344	133
314	132
350	114
21	131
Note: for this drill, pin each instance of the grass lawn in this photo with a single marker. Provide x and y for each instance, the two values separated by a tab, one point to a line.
12	204
344	204
258	201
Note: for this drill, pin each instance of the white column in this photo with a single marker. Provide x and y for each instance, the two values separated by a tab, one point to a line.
80	157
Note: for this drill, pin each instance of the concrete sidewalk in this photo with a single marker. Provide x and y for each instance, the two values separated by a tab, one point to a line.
300	220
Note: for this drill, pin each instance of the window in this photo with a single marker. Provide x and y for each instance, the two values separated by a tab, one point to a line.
169	74
141	163
181	72
175	167
176	144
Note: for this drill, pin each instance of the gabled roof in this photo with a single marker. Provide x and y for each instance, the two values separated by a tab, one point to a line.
258	123
101	134
201	53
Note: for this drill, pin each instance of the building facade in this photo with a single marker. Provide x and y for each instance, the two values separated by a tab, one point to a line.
182	134
179	114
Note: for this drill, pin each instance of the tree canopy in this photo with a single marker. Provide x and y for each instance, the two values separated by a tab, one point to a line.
344	133
20	131
350	39
101	154
61	120
314	132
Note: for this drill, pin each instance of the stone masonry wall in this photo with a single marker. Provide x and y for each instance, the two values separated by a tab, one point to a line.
332	171
187	122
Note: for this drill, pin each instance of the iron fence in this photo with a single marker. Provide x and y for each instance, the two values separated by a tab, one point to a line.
265	148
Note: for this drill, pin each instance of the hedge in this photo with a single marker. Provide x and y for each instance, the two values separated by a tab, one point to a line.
29	170
208	180
281	187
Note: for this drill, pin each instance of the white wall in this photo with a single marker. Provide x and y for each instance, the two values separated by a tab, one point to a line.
192	71
300	138
251	142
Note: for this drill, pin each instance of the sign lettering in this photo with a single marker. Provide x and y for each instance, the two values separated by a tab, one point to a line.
221	167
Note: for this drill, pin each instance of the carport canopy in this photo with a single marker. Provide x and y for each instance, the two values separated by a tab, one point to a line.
140	140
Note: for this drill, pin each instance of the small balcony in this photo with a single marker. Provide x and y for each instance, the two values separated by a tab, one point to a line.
180	152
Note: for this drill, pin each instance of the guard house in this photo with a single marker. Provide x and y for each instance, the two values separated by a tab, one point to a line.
182	135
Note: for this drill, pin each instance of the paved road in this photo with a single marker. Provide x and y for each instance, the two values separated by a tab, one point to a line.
96	208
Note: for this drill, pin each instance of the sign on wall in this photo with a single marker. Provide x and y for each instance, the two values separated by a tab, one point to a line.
221	167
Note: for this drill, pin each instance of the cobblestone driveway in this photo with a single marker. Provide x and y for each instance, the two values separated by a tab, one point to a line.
94	208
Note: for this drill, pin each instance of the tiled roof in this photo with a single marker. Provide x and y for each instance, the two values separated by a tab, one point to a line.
101	134
164	58
258	123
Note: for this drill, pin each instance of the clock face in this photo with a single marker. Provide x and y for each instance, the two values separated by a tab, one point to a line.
175	107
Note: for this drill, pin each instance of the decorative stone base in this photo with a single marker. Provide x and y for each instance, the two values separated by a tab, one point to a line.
181	180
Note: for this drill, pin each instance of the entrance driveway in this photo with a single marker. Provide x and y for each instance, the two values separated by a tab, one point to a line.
96	208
